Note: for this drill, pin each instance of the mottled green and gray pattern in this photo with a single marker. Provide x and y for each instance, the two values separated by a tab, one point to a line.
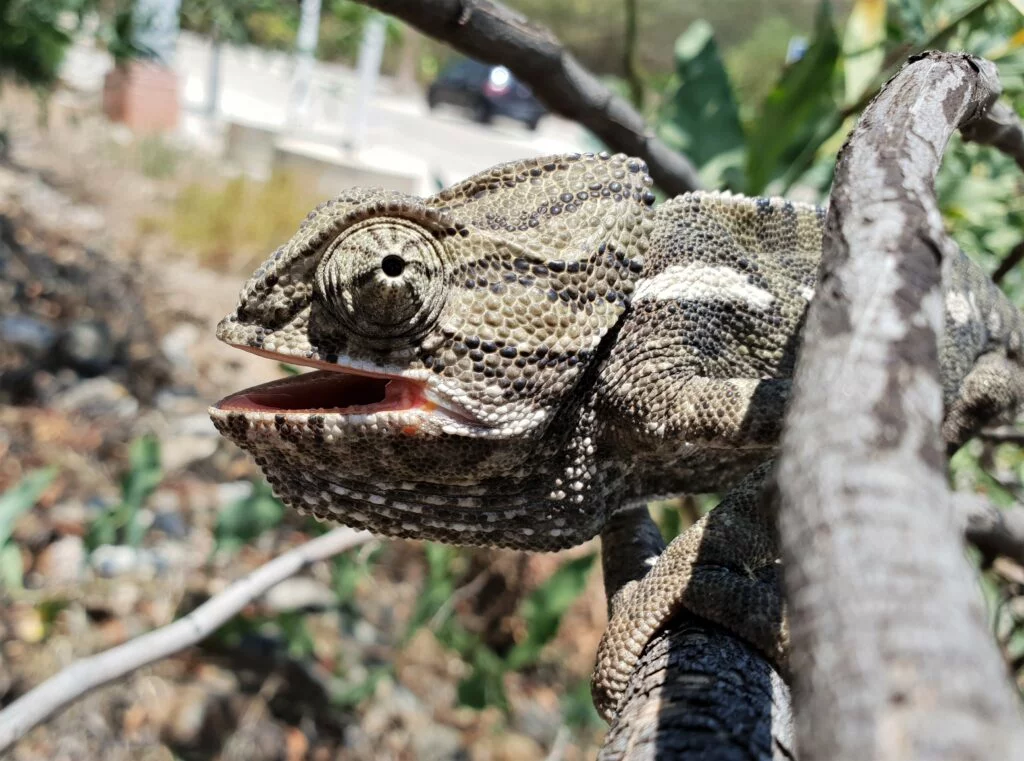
544	347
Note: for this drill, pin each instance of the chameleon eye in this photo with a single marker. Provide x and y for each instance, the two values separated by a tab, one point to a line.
383	279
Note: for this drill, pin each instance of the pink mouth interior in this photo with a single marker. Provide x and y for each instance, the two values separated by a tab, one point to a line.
331	392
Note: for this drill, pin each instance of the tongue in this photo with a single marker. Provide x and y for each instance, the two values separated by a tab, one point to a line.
327	391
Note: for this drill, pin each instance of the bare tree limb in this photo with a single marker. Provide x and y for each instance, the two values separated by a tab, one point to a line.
83	676
1010	261
698	691
995	532
1001	128
1003	434
883	606
490	32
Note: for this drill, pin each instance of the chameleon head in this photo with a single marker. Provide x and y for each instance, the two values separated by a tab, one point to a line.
449	337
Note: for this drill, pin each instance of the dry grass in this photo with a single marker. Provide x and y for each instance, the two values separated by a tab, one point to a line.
233	226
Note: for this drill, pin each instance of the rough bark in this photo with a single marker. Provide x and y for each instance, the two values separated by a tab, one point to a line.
698	691
891	658
490	32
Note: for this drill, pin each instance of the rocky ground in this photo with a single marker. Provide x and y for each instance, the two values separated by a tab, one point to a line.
107	365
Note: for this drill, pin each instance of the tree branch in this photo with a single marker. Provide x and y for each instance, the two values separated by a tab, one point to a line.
995	532
698	691
490	32
883	606
83	676
1001	128
1010	261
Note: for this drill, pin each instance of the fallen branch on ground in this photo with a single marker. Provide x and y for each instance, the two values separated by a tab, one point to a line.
84	676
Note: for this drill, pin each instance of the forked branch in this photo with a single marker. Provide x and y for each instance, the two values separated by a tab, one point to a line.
883	605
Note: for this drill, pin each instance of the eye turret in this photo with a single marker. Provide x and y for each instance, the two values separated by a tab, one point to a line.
384	279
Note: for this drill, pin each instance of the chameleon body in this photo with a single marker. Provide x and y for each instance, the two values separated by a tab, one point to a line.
511	361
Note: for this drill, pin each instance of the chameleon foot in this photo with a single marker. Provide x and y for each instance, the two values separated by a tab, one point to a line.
723	569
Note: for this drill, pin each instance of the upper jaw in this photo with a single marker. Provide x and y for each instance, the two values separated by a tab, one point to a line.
351	392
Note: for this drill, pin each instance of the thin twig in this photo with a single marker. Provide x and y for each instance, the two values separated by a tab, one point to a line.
83	676
490	32
1010	261
1003	434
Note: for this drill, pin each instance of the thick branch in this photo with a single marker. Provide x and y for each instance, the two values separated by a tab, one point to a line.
491	32
84	676
883	606
698	691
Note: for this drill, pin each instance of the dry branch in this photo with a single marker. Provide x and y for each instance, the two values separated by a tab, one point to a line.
993	531
883	606
490	32
1001	128
698	690
83	676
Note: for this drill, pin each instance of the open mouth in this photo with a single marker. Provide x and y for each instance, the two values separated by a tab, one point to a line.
330	391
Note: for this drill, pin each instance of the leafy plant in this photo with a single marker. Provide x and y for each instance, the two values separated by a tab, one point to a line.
791	135
244	520
121	525
542	612
13	503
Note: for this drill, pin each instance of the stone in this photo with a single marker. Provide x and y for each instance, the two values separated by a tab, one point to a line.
97	397
110	560
27	333
178	452
177	344
63	560
87	347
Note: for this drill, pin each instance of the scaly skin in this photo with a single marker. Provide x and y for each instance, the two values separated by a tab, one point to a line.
512	360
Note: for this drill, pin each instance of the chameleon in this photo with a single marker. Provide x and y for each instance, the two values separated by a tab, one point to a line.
523	356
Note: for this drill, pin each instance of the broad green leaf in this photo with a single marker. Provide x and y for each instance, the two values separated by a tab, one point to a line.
699	116
788	124
863	46
21	497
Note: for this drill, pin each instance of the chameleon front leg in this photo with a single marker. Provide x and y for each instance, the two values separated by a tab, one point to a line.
724	569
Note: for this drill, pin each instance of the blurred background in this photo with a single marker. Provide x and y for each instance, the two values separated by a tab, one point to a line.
153	153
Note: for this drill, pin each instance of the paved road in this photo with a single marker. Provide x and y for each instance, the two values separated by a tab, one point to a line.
400	129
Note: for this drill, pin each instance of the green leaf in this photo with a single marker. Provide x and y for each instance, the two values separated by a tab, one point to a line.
10	567
144	474
789	120
699	115
485	684
21	498
246	519
543	610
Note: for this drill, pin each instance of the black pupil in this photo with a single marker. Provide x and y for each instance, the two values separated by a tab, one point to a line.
393	265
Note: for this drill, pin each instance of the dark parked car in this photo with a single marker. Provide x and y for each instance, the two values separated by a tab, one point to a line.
487	91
